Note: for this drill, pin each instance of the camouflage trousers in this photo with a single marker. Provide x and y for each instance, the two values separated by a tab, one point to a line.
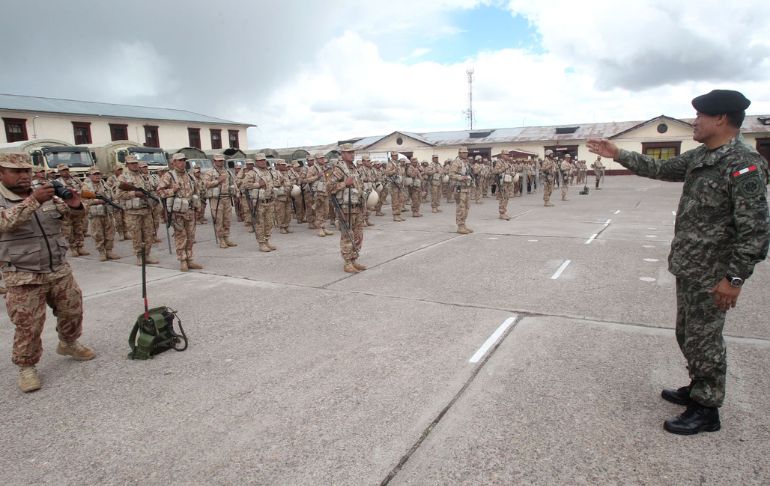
26	309
564	188
221	215
184	234
119	222
349	249
309	207
462	198
299	207
245	212
157	218
263	220
200	213
321	209
102	231
547	190
699	326
503	196
142	229
283	211
415	194
383	195
74	229
435	196
397	199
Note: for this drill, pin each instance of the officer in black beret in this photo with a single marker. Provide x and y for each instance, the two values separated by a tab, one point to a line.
721	232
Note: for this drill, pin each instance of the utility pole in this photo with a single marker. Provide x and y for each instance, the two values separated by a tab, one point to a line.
469	114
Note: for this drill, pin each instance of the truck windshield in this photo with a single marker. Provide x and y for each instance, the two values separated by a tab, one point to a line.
72	159
152	158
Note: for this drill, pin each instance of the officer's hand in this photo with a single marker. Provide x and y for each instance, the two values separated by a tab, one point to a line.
262	184
43	193
349	182
602	147
222	178
725	295
74	201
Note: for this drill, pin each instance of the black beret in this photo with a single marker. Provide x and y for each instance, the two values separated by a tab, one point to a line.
720	101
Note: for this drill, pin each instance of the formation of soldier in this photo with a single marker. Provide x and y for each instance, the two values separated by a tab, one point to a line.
133	202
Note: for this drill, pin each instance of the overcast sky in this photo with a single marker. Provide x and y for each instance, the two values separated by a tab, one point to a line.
318	71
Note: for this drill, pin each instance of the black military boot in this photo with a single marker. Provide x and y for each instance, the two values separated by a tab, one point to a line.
696	418
680	396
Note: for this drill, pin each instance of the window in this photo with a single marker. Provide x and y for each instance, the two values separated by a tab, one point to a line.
15	129
82	132
233	137
566	130
194	134
216	138
480	134
118	132
661	150
151	136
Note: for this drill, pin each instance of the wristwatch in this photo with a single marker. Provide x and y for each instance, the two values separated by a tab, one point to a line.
734	281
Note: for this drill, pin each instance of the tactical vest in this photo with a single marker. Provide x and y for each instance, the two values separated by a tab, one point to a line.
36	246
351	194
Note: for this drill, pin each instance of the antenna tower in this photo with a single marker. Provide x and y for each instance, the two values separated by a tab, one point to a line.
469	113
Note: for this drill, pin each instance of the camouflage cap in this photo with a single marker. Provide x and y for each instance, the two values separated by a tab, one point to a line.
142	163
94	170
62	167
131	159
310	157
259	156
196	169
280	162
219	157
462	150
295	163
365	157
435	156
249	161
568	156
548	152
179	156
318	155
119	166
478	157
15	161
347	147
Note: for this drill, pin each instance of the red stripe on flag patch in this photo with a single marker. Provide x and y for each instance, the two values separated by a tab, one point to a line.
745	170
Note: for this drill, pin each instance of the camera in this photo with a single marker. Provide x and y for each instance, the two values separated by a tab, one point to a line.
61	190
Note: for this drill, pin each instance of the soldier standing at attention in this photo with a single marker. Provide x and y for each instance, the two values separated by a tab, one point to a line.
503	170
566	168
382	188
180	191
259	183
73	228
282	193
220	189
309	197
721	233
434	172
137	210
460	177
112	188
200	213
36	273
244	194
157	210
394	174
100	216
347	188
368	175
316	177
414	183
598	168
547	173
295	176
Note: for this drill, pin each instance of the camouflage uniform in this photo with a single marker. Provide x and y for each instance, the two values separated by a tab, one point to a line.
460	177
36	273
547	173
300	201
117	216
350	201
598	168
200	213
504	171
220	196
414	185
394	174
282	194
721	229
74	229
434	173
179	190
137	213
566	169
100	220
382	187
260	202
368	176
243	192
316	177
309	197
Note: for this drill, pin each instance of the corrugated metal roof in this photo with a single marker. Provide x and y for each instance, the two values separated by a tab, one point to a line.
90	108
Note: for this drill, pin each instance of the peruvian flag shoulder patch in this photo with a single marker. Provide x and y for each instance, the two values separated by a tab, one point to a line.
745	170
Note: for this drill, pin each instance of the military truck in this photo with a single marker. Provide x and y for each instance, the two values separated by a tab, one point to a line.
195	158
107	156
47	153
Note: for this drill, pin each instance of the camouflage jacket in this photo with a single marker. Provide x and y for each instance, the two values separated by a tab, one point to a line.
722	221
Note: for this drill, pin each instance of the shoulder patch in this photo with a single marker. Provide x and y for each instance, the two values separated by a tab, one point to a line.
746	170
749	186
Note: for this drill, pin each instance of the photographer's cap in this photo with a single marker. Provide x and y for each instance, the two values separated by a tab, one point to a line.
15	161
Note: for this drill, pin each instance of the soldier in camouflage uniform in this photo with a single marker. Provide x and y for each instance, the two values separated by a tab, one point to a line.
220	189
394	175
282	193
259	183
721	233
503	169
100	215
368	175
200	213
117	216
434	172
180	191
598	168
460	177
73	228
295	176
566	170
414	186
35	272
382	188
347	188
137	214
245	212
316	177
153	179
547	174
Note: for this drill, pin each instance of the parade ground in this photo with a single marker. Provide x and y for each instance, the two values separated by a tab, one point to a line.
532	351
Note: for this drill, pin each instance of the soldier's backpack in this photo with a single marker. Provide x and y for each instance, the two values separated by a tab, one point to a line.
154	333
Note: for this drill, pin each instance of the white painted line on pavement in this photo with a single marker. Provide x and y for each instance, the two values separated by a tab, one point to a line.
491	340
646	279
607	223
673	212
616	212
651	236
648	246
532	241
561	269
651	260
589	240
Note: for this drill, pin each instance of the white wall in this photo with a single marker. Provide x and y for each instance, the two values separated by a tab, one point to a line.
171	134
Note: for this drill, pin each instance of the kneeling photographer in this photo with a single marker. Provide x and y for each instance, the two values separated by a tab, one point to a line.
34	267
